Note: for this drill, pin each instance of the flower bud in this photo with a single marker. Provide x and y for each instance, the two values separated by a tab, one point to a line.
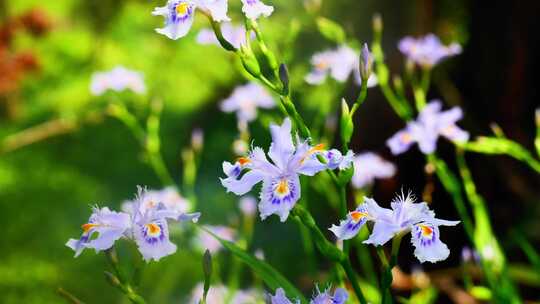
366	63
346	124
249	61
284	77
377	23
197	139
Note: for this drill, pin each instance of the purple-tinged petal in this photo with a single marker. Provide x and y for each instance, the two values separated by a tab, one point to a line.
427	243
109	225
282	147
152	239
401	141
254	9
368	166
349	227
278	196
244	184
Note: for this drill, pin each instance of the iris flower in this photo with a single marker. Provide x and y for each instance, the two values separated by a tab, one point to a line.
179	15
145	223
117	79
338	64
280	176
405	216
246	99
427	51
426	129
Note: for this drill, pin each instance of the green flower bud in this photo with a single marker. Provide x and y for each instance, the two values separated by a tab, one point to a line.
346	123
250	62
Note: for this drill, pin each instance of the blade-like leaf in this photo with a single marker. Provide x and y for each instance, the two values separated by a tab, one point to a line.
271	277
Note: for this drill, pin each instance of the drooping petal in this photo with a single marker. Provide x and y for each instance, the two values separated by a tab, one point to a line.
401	141
179	15
254	9
152	239
109	225
349	227
278	196
217	8
244	184
427	243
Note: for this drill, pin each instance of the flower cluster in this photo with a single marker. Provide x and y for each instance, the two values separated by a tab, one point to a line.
340	296
339	64
427	51
179	14
145	223
405	216
281	184
246	99
117	79
426	129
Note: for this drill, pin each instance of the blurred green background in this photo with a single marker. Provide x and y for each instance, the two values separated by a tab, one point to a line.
46	188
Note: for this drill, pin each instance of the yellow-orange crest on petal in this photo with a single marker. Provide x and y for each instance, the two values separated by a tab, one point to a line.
243	161
358	216
88	226
153	229
426	230
282	187
182	8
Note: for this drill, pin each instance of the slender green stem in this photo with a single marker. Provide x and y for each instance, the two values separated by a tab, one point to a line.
361	97
68	296
453	187
327	249
346	264
120	280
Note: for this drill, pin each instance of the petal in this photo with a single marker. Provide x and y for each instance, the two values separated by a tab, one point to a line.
280	298
217	8
278	196
106	239
375	211
207	36
400	142
282	147
311	166
244	184
316	77
255	8
347	229
455	133
340	296
176	26
382	232
152	239
428	246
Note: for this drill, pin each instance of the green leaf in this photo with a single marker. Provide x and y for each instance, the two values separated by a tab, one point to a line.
495	145
331	30
271	277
